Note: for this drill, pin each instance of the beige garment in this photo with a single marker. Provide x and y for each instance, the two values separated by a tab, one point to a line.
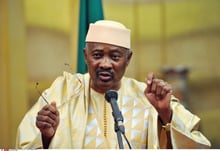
100	124
82	121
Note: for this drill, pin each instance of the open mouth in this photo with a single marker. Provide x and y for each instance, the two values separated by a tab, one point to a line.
105	76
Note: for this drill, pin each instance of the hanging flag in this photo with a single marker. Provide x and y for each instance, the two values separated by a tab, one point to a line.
90	11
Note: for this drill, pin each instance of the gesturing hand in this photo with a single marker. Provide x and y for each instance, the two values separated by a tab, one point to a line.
48	120
158	92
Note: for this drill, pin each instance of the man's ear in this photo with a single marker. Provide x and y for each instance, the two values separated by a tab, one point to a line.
129	56
85	55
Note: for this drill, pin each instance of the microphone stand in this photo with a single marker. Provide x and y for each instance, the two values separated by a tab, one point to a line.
120	143
119	129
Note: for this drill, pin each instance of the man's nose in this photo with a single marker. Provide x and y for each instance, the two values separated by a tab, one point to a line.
106	63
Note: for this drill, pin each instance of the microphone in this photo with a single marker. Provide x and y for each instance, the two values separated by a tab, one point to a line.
111	96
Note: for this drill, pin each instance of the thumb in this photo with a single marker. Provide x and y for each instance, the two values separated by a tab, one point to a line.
53	104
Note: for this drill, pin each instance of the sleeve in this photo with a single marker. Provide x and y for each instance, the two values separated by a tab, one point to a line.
184	129
28	135
61	90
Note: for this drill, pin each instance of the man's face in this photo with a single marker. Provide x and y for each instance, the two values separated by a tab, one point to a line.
106	65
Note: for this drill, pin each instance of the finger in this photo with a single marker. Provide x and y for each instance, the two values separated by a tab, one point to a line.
47	119
148	81
148	89
154	85
163	92
55	113
46	107
43	125
150	78
167	89
52	107
53	104
159	88
48	113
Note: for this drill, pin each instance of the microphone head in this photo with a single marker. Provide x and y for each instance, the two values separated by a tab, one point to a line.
111	94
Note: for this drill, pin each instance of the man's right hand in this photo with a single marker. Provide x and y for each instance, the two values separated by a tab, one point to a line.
48	120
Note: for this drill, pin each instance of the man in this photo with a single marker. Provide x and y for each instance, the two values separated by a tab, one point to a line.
78	116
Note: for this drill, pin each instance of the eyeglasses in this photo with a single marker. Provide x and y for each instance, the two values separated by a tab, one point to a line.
36	87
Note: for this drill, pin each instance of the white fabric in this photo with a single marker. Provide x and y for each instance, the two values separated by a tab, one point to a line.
71	93
110	32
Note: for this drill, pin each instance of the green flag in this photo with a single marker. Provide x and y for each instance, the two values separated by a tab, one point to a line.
90	11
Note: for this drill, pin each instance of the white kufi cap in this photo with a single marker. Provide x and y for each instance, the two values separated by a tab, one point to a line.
110	32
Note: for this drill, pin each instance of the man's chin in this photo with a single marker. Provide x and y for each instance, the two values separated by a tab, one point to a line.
102	84
106	81
105	84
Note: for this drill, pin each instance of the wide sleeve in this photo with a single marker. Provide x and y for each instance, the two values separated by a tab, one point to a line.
184	129
28	135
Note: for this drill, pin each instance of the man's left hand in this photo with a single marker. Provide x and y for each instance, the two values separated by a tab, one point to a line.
158	92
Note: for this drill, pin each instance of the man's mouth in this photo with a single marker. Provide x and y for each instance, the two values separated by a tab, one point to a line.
105	76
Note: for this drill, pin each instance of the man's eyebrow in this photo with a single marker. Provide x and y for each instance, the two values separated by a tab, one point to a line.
117	50
97	49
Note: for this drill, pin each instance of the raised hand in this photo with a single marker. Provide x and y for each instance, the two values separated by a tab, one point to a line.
158	92
47	121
